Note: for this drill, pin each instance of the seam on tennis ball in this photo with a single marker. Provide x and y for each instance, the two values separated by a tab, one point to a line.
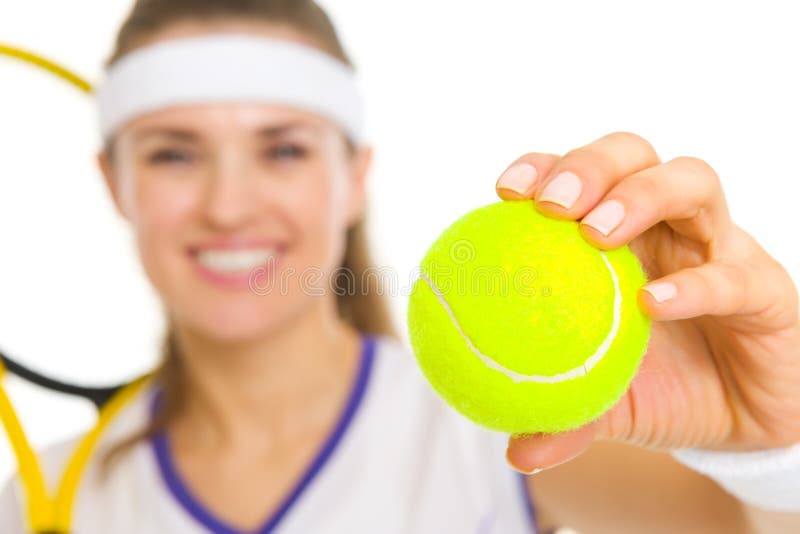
575	372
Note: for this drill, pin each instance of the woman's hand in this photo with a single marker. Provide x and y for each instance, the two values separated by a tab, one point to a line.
722	370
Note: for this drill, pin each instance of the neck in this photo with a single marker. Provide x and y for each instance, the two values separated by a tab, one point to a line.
268	390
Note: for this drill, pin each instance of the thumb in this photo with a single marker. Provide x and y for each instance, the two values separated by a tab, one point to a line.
531	453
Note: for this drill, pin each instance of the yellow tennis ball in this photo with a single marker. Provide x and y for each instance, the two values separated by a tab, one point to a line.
523	326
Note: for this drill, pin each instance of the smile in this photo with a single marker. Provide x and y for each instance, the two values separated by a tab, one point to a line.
235	261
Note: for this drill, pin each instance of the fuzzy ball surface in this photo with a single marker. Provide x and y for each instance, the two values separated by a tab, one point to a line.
522	325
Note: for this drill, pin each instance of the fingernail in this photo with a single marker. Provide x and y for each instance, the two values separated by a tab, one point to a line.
523	471
661	291
605	217
564	190
534	471
519	178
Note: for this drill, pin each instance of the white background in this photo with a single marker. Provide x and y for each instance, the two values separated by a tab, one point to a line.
455	91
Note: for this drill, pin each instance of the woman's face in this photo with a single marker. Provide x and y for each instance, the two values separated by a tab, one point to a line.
239	210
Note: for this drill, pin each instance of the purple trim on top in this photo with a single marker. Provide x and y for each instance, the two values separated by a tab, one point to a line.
180	491
528	498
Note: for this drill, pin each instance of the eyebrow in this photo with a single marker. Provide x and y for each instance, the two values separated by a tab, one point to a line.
275	131
188	135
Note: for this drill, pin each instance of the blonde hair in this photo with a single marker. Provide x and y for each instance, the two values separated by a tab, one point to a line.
362	305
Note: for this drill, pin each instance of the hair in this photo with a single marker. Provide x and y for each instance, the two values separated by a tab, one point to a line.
362	305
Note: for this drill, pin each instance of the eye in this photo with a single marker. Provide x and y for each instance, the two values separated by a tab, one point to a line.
287	151
171	156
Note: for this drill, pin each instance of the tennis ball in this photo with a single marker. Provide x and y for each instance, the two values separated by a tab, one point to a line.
523	326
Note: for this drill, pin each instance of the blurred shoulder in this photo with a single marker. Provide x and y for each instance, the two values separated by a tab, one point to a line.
395	370
11	520
54	457
441	454
404	388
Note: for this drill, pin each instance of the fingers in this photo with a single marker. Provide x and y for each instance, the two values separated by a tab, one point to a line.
519	180
619	188
532	453
753	289
685	192
577	182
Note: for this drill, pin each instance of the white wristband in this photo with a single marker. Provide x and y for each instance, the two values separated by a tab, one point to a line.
768	479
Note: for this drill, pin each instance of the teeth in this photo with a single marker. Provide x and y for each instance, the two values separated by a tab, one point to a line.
235	261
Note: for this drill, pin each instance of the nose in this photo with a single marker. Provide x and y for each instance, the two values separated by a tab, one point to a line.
230	197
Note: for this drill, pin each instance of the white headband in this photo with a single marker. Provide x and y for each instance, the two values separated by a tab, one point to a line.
225	68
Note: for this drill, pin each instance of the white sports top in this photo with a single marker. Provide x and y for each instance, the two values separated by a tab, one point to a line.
399	460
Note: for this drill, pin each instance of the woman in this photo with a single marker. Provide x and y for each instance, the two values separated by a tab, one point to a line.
293	408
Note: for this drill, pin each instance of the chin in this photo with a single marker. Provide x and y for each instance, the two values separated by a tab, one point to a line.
234	327
229	320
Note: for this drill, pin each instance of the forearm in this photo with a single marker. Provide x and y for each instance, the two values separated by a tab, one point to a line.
622	489
766	481
769	522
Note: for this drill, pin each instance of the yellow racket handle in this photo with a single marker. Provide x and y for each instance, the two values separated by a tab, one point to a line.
70	480
46	64
45	514
39	506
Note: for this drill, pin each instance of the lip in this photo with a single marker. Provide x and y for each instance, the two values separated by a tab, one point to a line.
240	281
237	244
